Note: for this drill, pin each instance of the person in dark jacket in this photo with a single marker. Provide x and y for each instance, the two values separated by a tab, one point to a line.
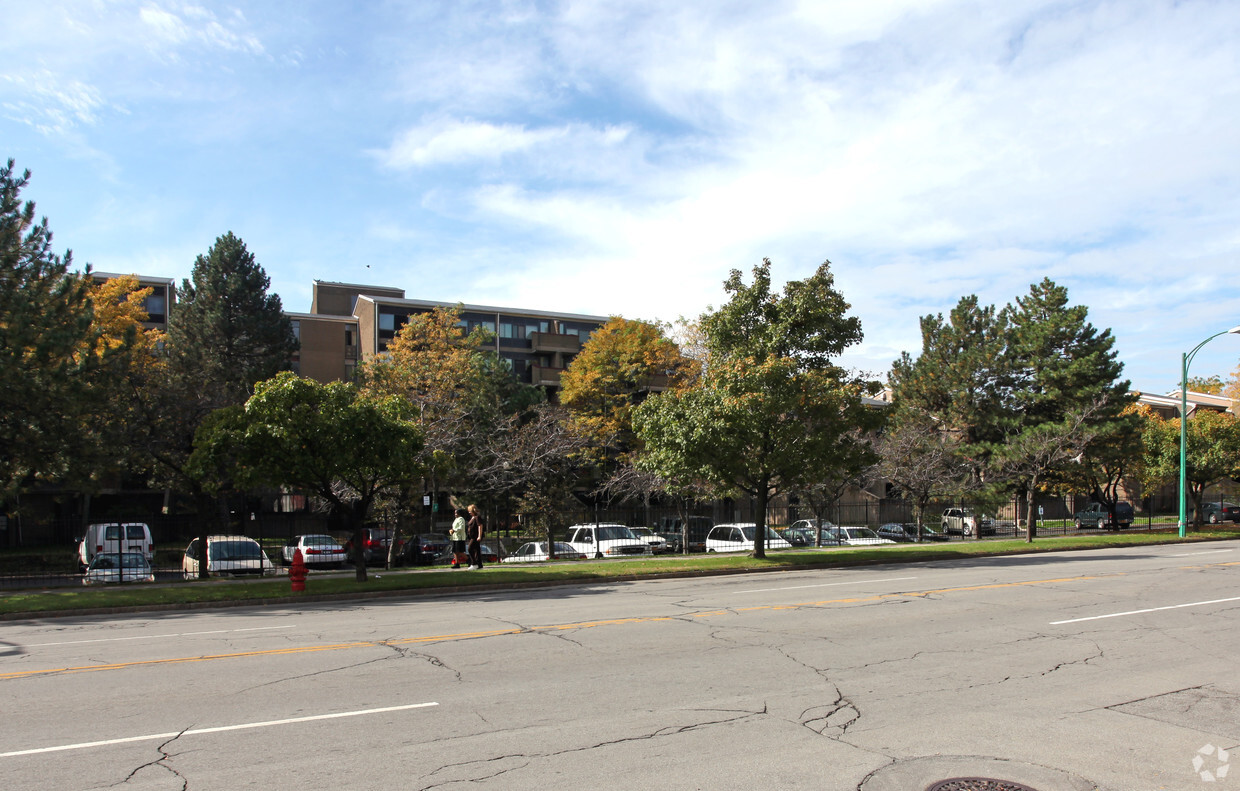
474	531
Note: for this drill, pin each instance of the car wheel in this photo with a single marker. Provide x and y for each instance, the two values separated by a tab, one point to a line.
1078	524
967	532
1214	519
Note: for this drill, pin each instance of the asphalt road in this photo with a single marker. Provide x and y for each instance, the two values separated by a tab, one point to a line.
1107	669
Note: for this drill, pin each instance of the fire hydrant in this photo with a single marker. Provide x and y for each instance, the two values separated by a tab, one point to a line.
297	572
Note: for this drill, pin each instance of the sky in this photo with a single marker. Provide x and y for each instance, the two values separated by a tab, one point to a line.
623	157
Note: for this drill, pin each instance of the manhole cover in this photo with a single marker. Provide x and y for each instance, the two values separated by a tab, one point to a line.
977	784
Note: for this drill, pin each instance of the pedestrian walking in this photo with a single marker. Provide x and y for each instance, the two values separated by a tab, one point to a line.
475	530
457	535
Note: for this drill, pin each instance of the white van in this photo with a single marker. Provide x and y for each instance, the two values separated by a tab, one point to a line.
115	538
606	541
739	537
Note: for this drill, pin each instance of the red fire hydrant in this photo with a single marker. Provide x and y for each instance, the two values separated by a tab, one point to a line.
297	572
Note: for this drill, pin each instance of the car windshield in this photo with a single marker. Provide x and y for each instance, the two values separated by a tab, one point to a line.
749	531
642	532
614	533
131	560
319	541
234	550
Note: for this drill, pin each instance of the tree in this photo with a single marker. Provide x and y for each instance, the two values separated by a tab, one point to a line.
921	458
772	410
963	378
1213	452
1067	386
462	394
326	440
227	332
617	368
1211	385
126	353
46	319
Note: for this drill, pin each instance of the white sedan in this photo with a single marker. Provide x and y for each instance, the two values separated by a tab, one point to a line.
658	544
316	550
110	567
537	550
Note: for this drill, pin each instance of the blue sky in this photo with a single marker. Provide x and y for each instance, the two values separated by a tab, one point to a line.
623	157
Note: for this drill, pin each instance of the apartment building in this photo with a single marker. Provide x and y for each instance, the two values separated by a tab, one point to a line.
350	322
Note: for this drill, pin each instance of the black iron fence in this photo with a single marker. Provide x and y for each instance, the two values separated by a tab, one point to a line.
50	552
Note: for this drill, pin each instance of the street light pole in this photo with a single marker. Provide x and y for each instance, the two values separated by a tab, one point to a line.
1185	360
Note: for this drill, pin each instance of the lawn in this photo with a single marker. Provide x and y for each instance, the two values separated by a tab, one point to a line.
382	582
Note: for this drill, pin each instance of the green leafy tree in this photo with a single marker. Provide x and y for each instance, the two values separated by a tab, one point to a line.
325	440
1213	452
46	332
772	410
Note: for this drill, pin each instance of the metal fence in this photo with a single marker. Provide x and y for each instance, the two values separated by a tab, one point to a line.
47	553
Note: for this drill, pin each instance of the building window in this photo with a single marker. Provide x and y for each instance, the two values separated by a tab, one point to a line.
156	305
297	331
387	321
509	330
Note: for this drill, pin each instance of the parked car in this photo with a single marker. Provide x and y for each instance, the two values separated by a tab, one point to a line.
113	537
1098	515
697	528
798	536
316	550
740	536
425	549
963	522
375	544
108	567
905	533
674	542
227	556
812	528
658	544
608	541
860	537
537	550
1220	512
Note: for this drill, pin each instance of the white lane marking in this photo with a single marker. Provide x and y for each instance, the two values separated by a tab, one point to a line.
1139	612
157	636
219	729
826	585
1190	554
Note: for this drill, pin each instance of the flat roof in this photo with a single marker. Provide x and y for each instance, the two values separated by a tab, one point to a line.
426	303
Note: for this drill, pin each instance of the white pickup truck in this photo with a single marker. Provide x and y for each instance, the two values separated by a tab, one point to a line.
606	541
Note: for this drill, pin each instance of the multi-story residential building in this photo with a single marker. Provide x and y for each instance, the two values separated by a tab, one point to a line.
350	322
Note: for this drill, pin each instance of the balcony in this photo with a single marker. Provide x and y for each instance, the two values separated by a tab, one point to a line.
553	342
545	375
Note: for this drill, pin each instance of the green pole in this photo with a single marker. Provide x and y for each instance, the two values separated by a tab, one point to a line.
1184	441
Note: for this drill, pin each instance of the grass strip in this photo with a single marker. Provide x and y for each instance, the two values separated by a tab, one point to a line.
31	603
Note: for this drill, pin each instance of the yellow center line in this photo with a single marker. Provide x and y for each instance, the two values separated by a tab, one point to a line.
534	629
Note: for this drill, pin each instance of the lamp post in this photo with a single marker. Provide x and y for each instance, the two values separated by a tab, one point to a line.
1185	360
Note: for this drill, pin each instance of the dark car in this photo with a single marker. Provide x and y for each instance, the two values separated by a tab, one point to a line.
798	536
1220	512
906	533
425	549
375	543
